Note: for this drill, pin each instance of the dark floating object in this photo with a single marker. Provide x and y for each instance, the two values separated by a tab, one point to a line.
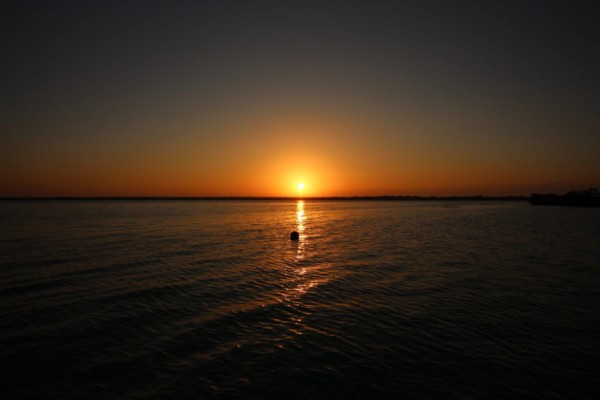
294	236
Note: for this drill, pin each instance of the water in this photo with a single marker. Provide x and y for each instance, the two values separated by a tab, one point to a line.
176	299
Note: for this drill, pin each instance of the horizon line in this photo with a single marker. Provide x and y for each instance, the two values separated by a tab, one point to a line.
289	198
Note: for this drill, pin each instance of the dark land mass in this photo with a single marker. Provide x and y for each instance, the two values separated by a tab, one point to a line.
281	198
581	198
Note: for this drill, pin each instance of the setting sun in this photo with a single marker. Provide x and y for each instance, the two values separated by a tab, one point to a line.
300	186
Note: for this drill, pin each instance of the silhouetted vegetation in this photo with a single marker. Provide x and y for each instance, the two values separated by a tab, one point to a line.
582	198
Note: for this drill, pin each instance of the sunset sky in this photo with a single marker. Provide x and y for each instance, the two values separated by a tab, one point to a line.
249	98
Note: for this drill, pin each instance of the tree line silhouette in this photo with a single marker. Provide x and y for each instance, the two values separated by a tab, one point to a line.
580	198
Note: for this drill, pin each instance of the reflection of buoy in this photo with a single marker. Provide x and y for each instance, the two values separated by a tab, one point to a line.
294	236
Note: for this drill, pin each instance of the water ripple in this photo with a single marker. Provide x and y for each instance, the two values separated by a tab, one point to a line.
211	299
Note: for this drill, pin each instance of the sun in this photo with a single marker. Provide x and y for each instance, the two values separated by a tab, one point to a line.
300	186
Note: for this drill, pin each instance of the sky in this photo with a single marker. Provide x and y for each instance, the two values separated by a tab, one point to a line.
249	98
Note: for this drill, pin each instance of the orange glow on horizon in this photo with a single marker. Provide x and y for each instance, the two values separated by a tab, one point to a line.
294	155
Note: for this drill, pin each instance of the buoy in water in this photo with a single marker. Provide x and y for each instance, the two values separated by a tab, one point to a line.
294	236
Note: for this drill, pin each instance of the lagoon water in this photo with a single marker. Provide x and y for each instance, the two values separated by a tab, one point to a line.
204	299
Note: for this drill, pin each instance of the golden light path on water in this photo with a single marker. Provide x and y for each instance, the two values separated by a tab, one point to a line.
303	271
300	217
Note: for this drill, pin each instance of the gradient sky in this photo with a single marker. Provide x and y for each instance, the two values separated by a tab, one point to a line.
220	98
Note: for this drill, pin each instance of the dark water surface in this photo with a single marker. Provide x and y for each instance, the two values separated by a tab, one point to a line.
175	299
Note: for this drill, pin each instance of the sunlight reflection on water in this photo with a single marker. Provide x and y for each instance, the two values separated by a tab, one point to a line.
300	218
302	270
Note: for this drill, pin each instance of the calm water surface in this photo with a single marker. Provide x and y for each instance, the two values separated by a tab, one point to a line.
175	299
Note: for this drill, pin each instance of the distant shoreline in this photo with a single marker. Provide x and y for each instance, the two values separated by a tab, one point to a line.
265	198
